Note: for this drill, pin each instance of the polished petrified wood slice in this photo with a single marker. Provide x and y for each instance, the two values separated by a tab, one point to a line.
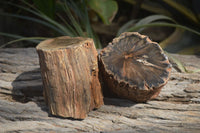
69	70
134	67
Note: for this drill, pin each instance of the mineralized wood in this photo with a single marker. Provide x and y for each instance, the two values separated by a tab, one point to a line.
134	67
176	109
69	71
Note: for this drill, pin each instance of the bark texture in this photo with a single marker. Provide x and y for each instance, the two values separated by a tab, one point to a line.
69	71
22	106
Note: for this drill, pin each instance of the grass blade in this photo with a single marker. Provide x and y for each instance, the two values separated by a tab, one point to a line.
176	63
182	9
179	65
73	20
89	28
151	6
34	20
172	38
126	26
193	71
163	24
143	21
20	38
43	16
151	19
31	39
67	25
47	7
10	35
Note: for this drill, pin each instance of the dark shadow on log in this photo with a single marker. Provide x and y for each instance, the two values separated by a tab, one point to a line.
28	87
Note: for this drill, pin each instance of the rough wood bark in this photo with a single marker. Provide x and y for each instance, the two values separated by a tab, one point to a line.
69	71
22	106
134	67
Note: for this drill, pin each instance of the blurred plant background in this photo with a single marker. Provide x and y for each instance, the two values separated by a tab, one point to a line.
175	24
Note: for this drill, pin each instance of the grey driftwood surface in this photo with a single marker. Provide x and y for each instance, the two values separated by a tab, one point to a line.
22	107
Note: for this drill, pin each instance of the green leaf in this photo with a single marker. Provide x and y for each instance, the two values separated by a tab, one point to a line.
182	9
34	20
126	26
74	22
89	30
106	9
151	6
176	35
21	38
158	8
82	19
10	35
163	24
45	17
144	21
153	18
182	42
46	6
67	25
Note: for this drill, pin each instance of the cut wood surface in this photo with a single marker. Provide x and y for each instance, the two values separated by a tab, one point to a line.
134	67
22	106
69	70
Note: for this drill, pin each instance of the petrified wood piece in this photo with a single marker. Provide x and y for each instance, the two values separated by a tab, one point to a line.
176	109
69	71
134	67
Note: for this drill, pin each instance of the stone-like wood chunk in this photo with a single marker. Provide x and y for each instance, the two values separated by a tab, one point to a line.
134	67
69	72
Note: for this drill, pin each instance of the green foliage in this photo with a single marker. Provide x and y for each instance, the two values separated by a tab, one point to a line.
73	20
163	24
151	6
31	39
20	38
177	6
149	22
164	21
106	9
70	17
139	25
46	6
78	23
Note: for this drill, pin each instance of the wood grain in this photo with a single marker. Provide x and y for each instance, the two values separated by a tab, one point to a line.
22	106
69	71
134	67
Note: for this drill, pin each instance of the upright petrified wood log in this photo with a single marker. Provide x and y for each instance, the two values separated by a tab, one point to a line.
134	67
69	71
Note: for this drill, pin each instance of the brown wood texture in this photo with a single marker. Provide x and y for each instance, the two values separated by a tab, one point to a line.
134	67
69	70
22	106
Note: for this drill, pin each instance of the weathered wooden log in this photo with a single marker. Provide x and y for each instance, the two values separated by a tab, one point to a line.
176	109
134	67
69	71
